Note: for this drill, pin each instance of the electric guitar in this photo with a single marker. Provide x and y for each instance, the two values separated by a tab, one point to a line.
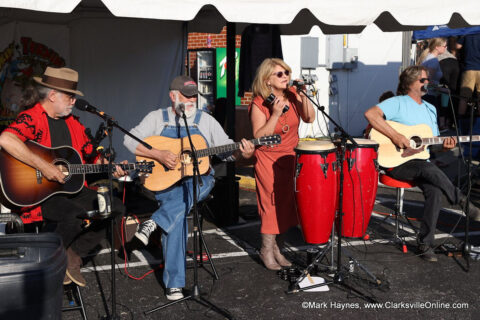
420	136
23	185
161	178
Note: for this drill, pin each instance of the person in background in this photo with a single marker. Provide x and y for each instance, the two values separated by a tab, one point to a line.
428	59
274	167
384	96
451	71
470	45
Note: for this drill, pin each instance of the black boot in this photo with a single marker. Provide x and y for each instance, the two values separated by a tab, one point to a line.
473	211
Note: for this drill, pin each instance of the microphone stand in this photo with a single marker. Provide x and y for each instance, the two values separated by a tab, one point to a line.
109	124
195	293
109	129
339	275
466	248
466	245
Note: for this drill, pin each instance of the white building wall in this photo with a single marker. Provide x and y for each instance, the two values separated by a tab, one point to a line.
379	61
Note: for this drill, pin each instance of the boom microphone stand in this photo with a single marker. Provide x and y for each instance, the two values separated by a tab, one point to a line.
195	293
109	124
340	275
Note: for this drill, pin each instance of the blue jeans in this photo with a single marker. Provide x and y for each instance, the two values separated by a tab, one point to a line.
175	204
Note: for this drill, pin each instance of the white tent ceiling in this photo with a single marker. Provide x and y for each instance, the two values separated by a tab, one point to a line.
340	16
108	40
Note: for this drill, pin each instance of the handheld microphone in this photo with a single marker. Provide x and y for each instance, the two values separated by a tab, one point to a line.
438	88
300	83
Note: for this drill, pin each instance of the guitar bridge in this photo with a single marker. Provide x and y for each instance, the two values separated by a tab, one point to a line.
39	176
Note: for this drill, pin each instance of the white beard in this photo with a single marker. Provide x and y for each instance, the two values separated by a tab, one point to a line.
190	107
67	111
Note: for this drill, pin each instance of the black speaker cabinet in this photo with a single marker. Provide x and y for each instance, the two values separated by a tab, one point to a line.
32	267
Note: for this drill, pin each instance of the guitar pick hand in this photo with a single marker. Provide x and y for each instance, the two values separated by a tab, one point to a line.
51	172
167	158
401	141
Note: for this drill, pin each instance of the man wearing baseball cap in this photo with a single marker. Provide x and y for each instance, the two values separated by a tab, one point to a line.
176	201
50	123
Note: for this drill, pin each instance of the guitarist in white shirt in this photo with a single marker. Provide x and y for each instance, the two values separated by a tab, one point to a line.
176	201
408	108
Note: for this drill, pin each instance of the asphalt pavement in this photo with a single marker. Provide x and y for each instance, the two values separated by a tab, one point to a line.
379	279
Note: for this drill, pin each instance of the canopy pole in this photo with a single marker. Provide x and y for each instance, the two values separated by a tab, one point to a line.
231	34
232	184
406	49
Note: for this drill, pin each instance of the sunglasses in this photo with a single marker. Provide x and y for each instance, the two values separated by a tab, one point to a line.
279	74
70	96
422	80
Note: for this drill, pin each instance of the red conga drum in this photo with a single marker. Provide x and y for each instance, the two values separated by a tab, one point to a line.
360	182
316	188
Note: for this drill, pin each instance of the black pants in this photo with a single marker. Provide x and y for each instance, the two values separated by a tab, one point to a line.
61	213
433	182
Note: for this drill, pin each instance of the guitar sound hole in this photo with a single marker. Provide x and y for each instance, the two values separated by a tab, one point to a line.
415	142
63	167
186	157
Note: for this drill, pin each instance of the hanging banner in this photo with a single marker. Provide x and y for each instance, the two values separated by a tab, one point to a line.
221	63
26	49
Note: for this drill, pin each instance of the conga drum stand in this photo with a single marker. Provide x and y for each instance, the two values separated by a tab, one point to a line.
341	272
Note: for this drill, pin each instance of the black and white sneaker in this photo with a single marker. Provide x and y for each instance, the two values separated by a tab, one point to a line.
144	230
174	293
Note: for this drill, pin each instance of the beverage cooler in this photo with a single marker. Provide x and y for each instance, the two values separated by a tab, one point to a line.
208	67
202	70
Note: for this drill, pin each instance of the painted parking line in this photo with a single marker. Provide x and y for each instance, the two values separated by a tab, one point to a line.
243	248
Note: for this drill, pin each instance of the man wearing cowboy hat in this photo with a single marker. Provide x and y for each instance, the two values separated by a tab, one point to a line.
176	201
50	123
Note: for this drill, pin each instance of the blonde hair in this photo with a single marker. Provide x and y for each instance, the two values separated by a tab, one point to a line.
264	71
432	44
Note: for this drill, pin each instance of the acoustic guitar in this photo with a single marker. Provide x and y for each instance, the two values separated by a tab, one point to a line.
420	136
162	178
23	185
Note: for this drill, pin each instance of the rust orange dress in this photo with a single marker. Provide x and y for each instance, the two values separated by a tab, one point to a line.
275	169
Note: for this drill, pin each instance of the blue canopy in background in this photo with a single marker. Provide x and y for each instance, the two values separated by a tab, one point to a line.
443	31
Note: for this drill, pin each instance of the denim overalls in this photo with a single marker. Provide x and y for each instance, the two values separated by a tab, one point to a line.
175	203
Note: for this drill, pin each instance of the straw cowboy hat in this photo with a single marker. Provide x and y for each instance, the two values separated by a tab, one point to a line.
62	79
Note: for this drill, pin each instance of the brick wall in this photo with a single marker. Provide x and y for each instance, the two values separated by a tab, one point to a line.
199	40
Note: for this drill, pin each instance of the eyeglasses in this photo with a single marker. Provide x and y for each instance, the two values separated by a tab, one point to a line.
279	74
422	80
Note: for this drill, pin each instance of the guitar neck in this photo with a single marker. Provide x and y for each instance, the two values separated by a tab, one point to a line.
98	168
439	140
225	148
